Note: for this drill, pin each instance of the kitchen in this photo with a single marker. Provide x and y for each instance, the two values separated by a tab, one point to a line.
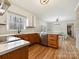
38	30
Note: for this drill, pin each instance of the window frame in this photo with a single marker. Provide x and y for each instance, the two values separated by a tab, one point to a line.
10	13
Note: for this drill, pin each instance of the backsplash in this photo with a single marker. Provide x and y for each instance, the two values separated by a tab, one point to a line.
3	30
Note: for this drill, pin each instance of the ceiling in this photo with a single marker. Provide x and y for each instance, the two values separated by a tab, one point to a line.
62	9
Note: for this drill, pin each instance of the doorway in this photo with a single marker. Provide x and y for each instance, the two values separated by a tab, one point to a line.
70	30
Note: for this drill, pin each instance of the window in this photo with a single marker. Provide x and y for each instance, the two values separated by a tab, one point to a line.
15	21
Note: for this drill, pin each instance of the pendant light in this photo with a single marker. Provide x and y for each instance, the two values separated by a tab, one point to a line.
57	22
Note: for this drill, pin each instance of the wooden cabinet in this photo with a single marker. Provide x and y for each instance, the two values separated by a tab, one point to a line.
47	39
32	38
21	53
50	40
53	40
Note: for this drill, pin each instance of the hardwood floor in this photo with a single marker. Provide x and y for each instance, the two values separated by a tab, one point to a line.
67	50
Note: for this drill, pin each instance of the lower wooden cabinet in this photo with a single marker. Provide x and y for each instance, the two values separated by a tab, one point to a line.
53	40
21	53
32	38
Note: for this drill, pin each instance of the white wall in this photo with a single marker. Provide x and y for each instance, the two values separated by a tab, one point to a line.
39	24
60	27
21	11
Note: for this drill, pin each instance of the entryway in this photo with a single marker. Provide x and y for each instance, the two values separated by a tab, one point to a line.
70	30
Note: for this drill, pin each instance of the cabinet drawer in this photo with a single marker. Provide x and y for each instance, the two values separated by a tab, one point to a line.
53	36
52	45
52	40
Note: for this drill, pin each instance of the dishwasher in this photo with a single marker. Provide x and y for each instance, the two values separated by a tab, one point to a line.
44	40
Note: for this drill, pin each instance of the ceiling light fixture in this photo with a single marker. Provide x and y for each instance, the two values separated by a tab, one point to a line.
4	4
44	2
57	22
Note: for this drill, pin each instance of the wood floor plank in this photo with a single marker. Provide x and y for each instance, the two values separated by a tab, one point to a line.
67	50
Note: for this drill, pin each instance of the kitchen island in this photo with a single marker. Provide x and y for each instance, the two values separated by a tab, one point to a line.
13	48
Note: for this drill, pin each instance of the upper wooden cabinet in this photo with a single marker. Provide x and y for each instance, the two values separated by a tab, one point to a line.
31	23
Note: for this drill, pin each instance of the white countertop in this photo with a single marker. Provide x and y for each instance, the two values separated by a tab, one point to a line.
11	46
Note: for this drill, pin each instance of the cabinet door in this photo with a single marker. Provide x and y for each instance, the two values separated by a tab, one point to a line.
21	53
5	56
53	40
